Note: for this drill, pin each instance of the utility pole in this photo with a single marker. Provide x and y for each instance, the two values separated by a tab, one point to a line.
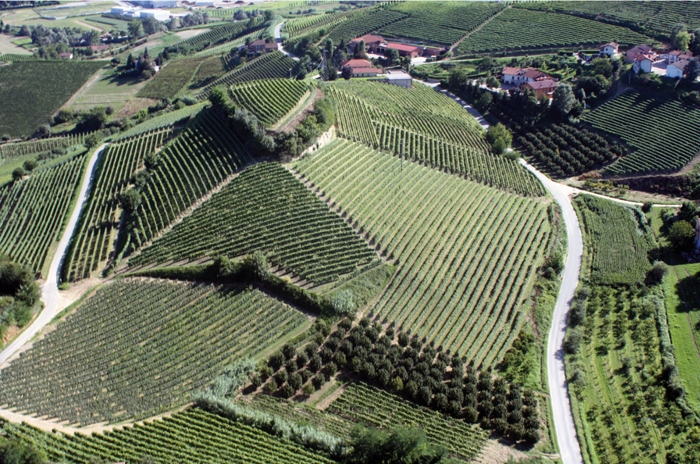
401	155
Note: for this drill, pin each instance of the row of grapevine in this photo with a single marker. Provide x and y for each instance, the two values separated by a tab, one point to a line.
220	33
269	99
665	133
265	208
467	253
620	240
172	78
13	57
275	65
202	156
517	29
141	361
299	26
12	150
374	407
189	436
99	220
363	22
442	23
33	210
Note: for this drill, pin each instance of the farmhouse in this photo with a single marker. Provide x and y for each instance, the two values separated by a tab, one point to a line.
261	46
372	42
544	87
520	76
643	49
66	56
355	63
404	50
609	49
676	69
643	62
361	68
677	55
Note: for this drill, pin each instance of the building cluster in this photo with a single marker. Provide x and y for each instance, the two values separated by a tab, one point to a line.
137	12
379	45
643	58
530	78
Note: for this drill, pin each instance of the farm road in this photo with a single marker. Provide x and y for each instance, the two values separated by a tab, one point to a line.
278	39
49	291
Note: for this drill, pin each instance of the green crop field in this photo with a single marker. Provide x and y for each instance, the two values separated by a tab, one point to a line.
265	208
671	135
451	281
99	220
363	22
435	130
172	78
208	436
33	211
13	58
170	118
141	363
13	150
200	158
619	238
439	23
269	99
300	26
31	91
519	29
219	34
273	65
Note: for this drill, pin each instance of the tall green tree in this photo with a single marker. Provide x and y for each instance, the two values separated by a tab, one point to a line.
563	100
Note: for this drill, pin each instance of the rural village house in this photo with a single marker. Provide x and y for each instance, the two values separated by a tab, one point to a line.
634	52
677	55
676	69
544	87
361	68
519	76
372	43
609	49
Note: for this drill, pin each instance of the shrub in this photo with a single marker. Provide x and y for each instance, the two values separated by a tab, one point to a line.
657	272
318	381
271	386
342	303
681	235
309	389
18	173
572	344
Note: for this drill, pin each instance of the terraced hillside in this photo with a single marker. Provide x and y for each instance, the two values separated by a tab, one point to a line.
265	208
202	156
453	281
33	211
99	221
671	135
423	125
141	362
208	436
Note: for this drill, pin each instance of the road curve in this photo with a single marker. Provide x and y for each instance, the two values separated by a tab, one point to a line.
49	291
278	40
569	447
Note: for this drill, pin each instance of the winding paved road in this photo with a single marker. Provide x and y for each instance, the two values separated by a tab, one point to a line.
278	39
49	291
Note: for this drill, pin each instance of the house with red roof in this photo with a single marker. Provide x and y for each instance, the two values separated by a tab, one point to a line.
677	55
544	87
372	42
520	76
643	49
361	68
404	50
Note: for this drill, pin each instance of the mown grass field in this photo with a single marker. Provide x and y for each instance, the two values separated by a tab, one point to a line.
33	91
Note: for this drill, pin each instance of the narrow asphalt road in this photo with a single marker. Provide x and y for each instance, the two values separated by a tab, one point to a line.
278	39
49	291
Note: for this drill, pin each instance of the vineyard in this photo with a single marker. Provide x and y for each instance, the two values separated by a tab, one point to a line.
99	219
202	156
33	210
300	26
170	118
191	436
452	281
376	408
618	395
655	16
265	208
218	34
13	58
441	23
269	66
434	129
162	342
170	80
517	29
362	22
33	90
269	99
14	150
670	137
619	238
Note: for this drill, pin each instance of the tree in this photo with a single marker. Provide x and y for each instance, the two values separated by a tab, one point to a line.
572	344
16	451
563	100
256	266
360	50
135	29
30	165
219	99
18	173
130	62
130	200
401	446
499	137
342	303
681	41
603	66
658	271
493	82
485	100
91	141
688	212
346	72
681	235
457	78
392	55
692	70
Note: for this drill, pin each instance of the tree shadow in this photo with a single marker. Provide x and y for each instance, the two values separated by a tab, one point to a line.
687	288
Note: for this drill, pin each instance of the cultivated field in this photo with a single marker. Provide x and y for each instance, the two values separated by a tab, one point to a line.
33	90
265	208
172	78
670	140
33	210
269	99
141	363
452	281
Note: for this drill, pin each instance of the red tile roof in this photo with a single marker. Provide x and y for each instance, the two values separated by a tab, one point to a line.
367	70
369	38
405	48
544	84
257	42
612	44
358	63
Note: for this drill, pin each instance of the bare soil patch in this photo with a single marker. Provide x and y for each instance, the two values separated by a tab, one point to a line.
294	122
191	33
495	452
94	28
133	106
